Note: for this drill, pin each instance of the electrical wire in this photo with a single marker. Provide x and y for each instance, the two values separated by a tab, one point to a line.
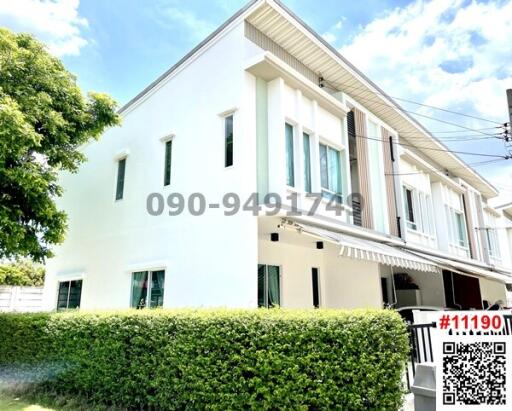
443	171
410	112
421	104
505	157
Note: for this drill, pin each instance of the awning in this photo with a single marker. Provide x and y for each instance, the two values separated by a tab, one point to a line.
358	248
465	268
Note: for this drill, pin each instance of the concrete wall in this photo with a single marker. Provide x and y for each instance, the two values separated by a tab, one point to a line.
344	282
209	260
492	291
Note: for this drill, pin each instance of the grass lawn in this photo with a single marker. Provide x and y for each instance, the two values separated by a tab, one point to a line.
11	403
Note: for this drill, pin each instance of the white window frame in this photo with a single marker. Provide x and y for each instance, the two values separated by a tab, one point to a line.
339	149
150	272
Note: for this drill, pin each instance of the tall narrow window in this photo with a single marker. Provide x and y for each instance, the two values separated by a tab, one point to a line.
316	287
290	163
269	286
70	294
167	164
148	289
409	208
330	173
307	163
121	167
460	228
228	141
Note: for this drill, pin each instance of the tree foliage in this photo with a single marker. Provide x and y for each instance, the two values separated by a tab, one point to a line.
22	272
44	119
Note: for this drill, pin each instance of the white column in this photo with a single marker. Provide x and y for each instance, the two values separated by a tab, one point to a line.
276	139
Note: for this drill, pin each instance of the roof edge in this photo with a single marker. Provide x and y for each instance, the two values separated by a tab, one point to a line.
382	92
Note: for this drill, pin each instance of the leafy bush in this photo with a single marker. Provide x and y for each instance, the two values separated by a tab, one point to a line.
210	359
22	272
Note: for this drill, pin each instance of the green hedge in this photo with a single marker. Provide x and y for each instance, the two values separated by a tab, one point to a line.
210	359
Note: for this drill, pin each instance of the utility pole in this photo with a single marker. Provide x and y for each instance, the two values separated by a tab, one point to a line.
509	99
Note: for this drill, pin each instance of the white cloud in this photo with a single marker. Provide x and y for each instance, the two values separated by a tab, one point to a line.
447	53
198	28
55	22
329	37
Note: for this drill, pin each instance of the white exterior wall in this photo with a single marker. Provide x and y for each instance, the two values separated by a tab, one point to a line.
443	197
288	105
414	178
344	282
351	283
492	291
209	260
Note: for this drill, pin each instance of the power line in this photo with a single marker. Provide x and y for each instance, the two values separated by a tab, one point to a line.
437	171
410	112
437	149
426	105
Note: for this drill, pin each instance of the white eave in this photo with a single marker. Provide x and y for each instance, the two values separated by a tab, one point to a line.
281	25
269	67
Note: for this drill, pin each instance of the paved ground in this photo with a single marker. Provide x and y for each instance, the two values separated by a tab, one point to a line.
408	403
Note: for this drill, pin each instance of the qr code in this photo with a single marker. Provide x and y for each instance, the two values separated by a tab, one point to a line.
474	373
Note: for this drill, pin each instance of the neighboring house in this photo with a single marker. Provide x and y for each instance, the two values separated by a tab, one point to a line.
265	106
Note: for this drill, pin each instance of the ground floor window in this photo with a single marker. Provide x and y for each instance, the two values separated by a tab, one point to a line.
316	287
148	289
269	286
70	293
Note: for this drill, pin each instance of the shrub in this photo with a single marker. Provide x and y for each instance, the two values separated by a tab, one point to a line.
210	359
22	272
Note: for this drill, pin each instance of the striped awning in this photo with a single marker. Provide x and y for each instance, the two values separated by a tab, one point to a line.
466	268
362	249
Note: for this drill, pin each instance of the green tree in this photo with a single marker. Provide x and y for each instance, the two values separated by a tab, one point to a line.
44	119
22	272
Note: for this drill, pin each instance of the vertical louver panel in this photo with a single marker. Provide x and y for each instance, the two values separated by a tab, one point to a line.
470	224
363	168
390	182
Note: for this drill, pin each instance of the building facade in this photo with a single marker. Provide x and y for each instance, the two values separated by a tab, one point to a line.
263	169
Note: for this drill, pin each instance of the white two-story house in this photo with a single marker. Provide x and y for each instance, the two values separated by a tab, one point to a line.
263	169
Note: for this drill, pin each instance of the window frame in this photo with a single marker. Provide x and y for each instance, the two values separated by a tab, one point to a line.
265	289
76	280
308	176
225	118
168	148
149	273
119	193
316	271
290	155
327	193
410	207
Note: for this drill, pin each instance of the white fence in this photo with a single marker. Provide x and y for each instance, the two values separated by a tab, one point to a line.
20	299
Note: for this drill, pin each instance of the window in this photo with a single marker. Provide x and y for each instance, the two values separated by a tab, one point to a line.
409	208
228	141
121	167
330	173
492	240
167	163
316	287
269	287
290	163
460	228
307	163
70	293
148	283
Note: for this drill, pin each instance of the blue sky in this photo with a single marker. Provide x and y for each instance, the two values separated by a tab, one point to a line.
449	53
